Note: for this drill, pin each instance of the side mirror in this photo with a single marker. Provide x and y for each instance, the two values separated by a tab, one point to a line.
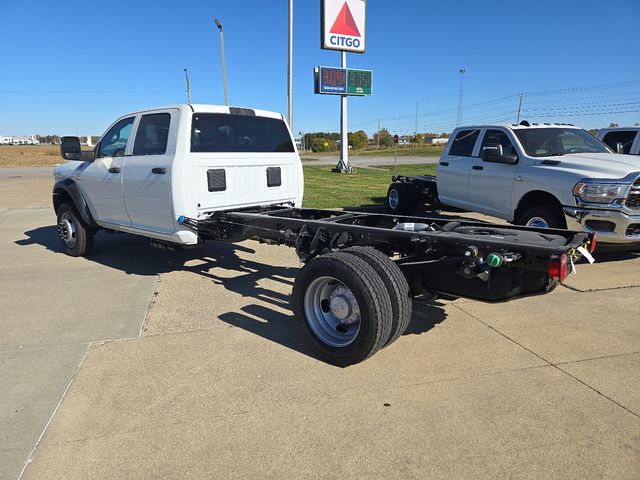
495	154
619	147
70	148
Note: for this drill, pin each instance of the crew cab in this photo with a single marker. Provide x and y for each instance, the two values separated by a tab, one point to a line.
189	174
152	166
537	175
624	140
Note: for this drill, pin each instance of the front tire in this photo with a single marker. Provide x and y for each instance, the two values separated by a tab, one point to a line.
542	217
399	199
343	308
76	238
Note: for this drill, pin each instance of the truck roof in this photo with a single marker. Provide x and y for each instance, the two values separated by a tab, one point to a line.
208	108
520	126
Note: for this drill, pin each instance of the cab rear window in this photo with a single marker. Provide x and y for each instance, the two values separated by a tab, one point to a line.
221	132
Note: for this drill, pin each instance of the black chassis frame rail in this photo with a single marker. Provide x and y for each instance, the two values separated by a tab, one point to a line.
432	261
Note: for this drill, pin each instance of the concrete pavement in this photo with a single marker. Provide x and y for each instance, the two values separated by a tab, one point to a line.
53	308
221	385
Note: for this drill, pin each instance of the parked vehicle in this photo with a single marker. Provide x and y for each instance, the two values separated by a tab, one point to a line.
544	176
624	140
188	174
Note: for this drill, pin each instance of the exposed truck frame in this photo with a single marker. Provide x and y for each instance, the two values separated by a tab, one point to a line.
412	256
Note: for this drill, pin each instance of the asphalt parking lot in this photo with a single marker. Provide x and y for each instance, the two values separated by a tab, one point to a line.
137	363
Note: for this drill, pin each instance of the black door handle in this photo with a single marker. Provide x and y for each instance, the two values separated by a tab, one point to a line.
444	164
114	170
478	167
159	170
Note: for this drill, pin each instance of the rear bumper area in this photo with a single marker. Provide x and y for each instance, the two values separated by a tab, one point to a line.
612	226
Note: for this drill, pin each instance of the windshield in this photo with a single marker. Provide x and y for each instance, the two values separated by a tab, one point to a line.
551	142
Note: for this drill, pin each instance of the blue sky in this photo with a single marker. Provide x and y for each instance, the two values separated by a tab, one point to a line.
74	66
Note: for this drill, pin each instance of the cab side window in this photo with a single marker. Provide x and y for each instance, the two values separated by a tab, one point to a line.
620	136
114	142
464	142
497	137
152	134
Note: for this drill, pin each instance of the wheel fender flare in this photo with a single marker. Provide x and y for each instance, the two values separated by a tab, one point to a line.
69	188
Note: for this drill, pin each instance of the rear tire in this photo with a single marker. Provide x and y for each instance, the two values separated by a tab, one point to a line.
544	216
343	308
399	199
76	238
396	285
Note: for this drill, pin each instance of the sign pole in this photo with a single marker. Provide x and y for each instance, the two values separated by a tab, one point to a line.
343	165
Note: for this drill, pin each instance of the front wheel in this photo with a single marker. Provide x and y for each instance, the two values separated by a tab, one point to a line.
343	307
542	217
399	198
75	236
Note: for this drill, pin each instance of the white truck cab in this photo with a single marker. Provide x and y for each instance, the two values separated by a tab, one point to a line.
624	140
550	175
153	166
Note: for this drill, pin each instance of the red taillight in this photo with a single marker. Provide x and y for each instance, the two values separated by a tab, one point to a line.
594	241
558	268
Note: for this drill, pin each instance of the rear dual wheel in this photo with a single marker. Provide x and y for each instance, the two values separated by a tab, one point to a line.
347	311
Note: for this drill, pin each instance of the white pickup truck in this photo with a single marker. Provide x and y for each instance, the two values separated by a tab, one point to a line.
188	174
540	175
624	140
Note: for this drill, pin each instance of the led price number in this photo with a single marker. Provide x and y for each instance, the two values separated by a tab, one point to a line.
333	77
359	78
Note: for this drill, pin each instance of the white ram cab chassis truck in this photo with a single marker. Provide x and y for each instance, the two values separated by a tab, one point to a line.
187	174
541	175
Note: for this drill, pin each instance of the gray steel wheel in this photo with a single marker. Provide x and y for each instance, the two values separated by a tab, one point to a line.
332	311
537	222
76	238
393	199
67	230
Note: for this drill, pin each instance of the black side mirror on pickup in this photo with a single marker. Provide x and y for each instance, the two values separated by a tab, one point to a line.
70	149
495	154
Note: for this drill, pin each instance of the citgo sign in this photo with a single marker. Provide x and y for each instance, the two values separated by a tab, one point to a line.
343	25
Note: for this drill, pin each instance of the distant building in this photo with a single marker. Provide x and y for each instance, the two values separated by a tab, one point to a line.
436	140
18	140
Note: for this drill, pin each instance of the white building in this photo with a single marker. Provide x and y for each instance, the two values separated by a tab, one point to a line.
18	140
436	140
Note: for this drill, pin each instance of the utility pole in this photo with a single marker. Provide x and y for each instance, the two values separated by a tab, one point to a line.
460	96
416	131
224	68
343	165
188	86
520	107
290	67
378	133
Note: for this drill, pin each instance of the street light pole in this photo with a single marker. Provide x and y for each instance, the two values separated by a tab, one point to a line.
224	69
188	86
460	96
290	68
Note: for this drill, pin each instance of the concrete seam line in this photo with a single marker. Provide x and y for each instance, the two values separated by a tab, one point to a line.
603	357
550	363
154	294
624	287
30	458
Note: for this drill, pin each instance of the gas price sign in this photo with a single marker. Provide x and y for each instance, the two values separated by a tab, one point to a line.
342	81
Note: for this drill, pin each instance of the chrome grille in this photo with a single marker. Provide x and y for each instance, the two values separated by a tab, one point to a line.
633	199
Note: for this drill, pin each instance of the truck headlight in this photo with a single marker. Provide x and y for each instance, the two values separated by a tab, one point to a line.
600	192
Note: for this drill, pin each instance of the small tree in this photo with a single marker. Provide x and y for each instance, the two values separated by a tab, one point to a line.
358	140
320	144
418	138
384	138
613	125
